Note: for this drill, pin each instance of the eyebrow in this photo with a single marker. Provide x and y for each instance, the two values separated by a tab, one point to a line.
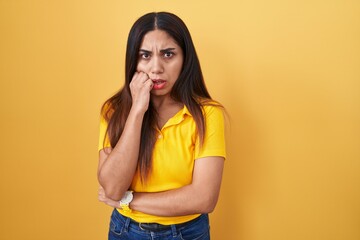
162	50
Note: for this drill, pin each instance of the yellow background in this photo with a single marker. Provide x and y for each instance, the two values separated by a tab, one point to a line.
288	73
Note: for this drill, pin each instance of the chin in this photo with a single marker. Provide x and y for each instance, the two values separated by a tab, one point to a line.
159	93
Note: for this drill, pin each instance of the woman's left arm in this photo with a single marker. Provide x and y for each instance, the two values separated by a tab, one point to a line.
198	197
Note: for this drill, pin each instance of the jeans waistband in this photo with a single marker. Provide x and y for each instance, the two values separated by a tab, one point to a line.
156	227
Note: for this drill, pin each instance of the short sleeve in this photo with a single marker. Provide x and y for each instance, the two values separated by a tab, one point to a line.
214	140
103	138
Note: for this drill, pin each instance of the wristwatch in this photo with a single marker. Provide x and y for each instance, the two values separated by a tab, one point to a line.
126	200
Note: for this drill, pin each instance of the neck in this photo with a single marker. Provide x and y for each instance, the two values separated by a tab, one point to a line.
163	102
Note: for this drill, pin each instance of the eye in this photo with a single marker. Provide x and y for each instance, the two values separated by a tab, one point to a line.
168	54
145	55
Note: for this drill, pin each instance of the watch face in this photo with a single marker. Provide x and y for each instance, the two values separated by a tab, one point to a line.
128	196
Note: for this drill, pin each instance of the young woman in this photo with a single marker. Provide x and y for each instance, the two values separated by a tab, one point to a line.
162	147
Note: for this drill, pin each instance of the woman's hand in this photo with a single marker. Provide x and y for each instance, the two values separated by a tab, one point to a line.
102	198
140	87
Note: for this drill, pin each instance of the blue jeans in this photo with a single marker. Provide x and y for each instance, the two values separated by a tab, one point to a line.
123	228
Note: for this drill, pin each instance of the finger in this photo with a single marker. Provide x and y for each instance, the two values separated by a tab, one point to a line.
151	84
101	199
136	74
101	195
138	79
101	191
144	76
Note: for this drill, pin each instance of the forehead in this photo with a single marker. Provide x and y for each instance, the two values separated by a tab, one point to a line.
157	39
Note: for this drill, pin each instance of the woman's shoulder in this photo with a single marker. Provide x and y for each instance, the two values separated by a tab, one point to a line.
211	106
208	103
106	110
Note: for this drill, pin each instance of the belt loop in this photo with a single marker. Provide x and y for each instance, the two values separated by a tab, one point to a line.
126	225
173	229
141	227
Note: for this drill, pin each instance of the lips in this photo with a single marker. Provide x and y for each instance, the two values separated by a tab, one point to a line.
158	84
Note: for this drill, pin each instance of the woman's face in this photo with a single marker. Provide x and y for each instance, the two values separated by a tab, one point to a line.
162	59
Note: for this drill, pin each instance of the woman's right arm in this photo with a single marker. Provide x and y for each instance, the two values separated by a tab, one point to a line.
117	166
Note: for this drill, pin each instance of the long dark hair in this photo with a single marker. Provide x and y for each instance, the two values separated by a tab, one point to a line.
189	88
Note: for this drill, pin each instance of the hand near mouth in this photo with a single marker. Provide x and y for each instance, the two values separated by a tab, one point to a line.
140	88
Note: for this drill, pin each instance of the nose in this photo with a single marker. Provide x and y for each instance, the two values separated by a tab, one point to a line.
156	65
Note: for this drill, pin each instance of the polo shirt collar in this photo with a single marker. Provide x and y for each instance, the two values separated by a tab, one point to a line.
178	118
185	111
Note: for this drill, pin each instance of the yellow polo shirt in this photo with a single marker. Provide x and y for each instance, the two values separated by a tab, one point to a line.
175	152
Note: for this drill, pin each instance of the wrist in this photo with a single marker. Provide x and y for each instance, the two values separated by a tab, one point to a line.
126	200
132	204
137	112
